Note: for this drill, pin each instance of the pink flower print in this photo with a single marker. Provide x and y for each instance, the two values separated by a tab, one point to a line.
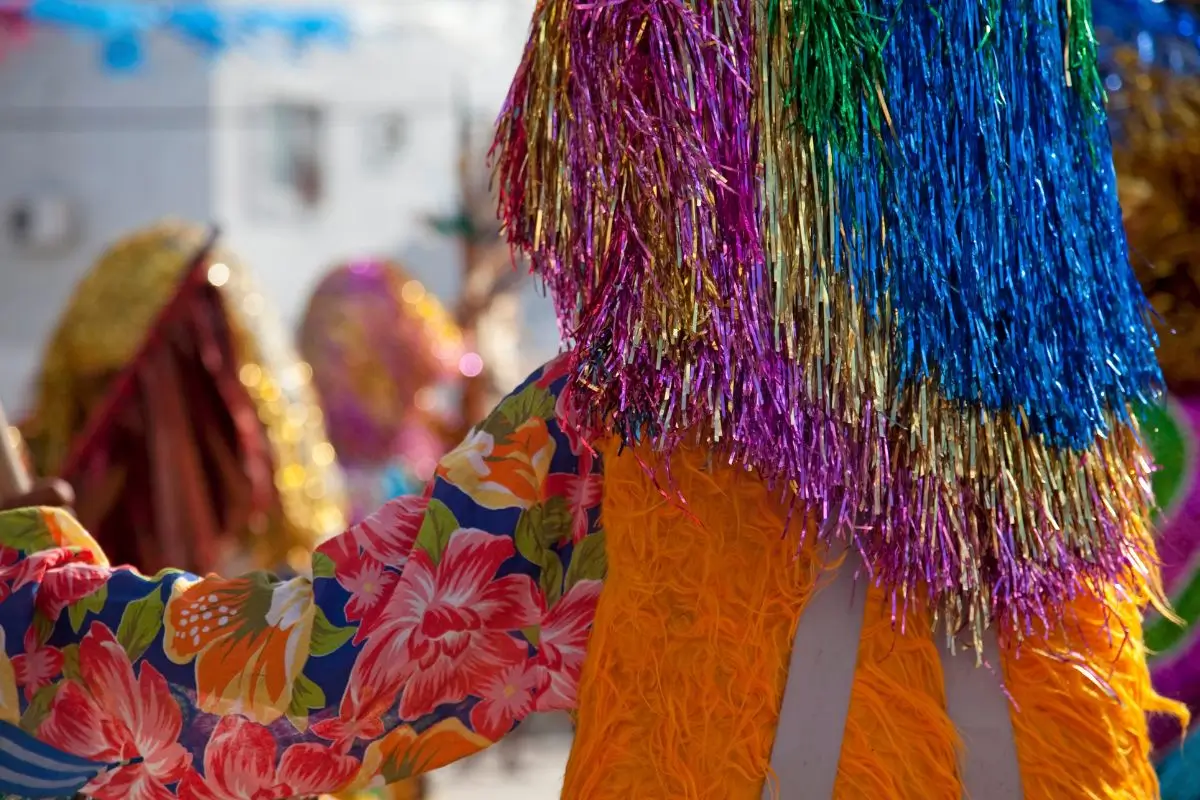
240	764
507	696
37	668
369	584
563	645
445	631
63	576
114	715
389	534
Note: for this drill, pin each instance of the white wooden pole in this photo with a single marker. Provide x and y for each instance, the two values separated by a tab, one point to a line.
14	478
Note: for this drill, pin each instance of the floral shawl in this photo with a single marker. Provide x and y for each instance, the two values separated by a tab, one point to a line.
425	633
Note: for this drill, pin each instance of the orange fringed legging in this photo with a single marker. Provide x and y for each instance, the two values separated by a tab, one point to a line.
688	659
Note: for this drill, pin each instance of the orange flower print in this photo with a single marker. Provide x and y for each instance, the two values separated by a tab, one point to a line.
404	753
507	471
249	638
10	702
67	532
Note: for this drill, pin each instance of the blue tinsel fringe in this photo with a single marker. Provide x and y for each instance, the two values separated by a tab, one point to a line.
1007	264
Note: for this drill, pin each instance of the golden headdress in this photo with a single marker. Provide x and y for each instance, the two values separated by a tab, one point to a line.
1156	151
110	316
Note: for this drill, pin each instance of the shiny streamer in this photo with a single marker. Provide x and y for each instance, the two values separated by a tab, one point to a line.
868	248
614	104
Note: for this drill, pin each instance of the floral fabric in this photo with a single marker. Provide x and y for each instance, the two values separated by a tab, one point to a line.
425	633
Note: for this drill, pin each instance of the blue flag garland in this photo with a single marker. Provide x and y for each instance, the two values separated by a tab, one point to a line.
122	26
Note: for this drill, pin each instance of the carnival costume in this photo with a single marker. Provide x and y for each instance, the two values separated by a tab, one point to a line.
380	346
847	296
172	399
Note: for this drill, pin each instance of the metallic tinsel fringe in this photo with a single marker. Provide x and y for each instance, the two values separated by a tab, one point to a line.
869	249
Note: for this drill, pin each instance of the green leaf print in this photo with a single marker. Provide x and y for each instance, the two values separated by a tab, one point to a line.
532	402
327	637
43	627
71	662
589	562
436	529
306	695
527	538
39	708
551	579
70	667
546	524
94	603
25	530
532	634
140	624
322	566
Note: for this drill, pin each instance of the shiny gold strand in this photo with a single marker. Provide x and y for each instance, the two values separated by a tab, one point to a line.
546	187
103	326
1048	496
678	302
821	323
307	477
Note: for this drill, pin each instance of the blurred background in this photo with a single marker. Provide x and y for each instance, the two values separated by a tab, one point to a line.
306	149
301	189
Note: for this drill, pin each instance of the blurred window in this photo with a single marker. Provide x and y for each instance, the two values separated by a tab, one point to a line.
289	162
386	137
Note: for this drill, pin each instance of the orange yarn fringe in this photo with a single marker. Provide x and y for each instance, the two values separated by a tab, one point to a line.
899	742
681	689
1080	721
687	663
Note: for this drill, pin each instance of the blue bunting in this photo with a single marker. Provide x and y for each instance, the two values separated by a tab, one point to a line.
121	27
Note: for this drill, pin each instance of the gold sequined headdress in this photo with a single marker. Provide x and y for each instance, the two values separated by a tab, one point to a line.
1157	155
104	326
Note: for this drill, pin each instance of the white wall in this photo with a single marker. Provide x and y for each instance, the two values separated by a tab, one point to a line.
62	132
196	163
453	51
